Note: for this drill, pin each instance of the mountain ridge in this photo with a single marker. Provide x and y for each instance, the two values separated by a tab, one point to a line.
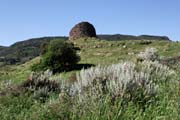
132	37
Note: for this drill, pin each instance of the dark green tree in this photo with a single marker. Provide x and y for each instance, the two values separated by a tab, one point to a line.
60	56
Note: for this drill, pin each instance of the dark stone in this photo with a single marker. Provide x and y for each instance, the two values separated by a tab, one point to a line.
83	29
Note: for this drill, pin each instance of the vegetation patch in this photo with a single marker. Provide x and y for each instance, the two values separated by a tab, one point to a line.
107	83
60	56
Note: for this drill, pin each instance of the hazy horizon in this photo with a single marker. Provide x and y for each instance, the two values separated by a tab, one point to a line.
22	20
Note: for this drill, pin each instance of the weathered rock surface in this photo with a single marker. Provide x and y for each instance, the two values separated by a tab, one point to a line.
83	29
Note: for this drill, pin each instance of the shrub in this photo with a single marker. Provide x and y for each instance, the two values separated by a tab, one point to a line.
159	73
60	56
173	62
145	42
150	54
38	81
124	80
38	84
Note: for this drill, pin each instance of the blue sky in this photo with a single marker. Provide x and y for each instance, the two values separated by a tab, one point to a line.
24	19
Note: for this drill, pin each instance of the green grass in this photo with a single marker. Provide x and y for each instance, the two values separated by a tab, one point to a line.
17	73
94	52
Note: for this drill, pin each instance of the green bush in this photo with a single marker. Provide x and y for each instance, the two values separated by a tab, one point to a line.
60	56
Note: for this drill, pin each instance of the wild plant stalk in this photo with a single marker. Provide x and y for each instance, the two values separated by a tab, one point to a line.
122	80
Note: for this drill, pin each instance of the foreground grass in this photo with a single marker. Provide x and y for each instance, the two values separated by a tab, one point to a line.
165	107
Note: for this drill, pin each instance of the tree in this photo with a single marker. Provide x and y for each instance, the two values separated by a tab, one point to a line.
60	56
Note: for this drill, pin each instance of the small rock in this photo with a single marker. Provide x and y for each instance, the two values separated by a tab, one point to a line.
108	54
130	53
110	45
124	46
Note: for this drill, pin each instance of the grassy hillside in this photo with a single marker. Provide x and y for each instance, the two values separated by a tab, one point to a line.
23	51
93	52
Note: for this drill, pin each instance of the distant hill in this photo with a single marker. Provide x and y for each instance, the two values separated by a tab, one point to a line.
131	37
25	50
2	47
